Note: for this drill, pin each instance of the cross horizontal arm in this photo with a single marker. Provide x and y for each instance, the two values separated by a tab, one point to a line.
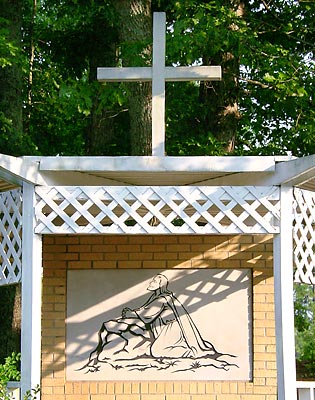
202	73
144	74
125	74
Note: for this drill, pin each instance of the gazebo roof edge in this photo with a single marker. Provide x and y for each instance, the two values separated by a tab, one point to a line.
135	170
161	164
16	170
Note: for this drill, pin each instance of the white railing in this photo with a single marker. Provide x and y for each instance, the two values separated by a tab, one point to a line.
14	390
305	390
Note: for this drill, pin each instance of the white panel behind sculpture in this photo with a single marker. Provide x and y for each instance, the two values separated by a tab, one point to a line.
144	324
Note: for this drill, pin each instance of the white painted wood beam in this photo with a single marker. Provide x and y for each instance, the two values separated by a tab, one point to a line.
158	85
124	74
31	295
276	170
296	171
201	73
16	170
159	164
284	303
171	74
292	172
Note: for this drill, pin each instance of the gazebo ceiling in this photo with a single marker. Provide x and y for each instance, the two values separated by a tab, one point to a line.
5	186
157	171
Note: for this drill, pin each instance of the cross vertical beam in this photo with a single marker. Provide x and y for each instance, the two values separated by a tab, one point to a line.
159	74
158	85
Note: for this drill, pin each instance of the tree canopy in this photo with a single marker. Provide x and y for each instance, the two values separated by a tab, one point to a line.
264	105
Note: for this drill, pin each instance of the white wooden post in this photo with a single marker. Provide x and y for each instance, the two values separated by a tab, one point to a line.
159	74
158	85
31	295
284	303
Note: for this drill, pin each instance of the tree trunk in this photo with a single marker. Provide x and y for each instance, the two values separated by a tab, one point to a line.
10	320
102	135
221	98
11	101
136	32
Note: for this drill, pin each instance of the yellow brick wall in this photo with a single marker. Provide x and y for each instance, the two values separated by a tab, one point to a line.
61	253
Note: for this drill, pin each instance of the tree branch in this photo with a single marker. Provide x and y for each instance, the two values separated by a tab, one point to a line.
254	82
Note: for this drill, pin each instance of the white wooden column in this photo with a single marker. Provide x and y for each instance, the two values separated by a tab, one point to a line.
158	85
31	295
284	303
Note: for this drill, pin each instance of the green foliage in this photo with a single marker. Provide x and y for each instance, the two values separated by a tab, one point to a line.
185	115
3	392
8	51
62	110
10	370
279	80
32	394
276	67
273	84
305	330
29	395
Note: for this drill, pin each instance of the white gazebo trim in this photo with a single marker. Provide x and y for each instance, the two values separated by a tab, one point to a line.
155	210
284	302
304	236
31	296
297	172
163	171
288	171
11	237
17	170
160	164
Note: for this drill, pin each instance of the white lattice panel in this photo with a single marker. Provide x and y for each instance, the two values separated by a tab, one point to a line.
10	237
160	210
304	236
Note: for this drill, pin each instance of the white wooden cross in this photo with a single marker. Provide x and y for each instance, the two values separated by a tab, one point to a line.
159	74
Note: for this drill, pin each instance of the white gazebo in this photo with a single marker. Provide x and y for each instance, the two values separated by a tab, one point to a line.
211	195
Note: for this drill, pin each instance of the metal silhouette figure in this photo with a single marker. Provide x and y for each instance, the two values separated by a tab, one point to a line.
160	329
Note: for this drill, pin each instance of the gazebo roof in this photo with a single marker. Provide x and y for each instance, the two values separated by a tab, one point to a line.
157	171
